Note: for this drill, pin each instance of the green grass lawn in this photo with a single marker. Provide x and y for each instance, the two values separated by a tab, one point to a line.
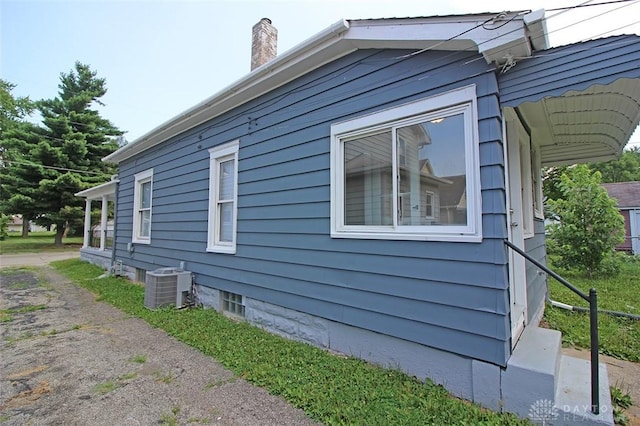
329	388
37	242
619	337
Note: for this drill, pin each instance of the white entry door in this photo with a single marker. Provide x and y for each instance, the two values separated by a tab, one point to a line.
518	163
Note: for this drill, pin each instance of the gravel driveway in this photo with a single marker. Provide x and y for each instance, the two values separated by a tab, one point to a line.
69	360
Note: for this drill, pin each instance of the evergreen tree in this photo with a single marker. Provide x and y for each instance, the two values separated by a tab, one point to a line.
13	111
64	155
20	175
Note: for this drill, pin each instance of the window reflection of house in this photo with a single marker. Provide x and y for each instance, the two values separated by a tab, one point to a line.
423	197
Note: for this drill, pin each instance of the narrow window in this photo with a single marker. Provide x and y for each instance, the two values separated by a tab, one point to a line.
536	179
142	193
223	188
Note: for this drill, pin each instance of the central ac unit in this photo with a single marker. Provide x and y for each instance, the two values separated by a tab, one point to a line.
167	286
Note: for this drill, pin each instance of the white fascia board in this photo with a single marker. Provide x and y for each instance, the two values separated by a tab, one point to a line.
494	38
108	188
507	34
537	26
310	54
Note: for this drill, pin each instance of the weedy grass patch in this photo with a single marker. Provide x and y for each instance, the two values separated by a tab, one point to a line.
6	315
619	337
329	388
105	387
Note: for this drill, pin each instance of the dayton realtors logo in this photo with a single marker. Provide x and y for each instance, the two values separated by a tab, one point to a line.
543	412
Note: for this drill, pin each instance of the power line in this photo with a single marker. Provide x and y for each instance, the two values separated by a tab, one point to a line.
64	169
588	5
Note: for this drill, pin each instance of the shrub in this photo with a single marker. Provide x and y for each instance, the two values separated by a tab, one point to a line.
588	225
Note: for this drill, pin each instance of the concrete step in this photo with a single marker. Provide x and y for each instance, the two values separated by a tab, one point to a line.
532	371
573	394
549	388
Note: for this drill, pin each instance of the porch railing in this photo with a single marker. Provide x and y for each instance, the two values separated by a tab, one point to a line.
592	299
96	235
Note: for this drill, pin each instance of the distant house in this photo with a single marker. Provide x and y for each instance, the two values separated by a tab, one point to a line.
356	193
628	196
15	225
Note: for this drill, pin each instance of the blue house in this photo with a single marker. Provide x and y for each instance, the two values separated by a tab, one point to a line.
356	193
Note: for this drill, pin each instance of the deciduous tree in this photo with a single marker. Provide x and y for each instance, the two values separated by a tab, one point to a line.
588	225
625	169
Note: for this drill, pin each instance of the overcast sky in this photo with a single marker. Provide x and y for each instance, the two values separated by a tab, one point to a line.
162	57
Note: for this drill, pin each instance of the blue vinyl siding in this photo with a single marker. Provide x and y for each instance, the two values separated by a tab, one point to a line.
574	67
451	296
536	281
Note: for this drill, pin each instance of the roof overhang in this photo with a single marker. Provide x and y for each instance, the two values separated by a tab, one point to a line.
580	102
585	126
497	36
107	189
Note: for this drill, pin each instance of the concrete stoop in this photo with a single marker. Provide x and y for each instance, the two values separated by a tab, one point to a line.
549	388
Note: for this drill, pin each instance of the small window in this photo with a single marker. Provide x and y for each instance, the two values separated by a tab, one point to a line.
536	180
141	275
232	303
223	188
410	172
430	206
142	193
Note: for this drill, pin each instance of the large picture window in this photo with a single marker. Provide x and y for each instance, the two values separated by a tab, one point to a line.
410	172
142	192
223	188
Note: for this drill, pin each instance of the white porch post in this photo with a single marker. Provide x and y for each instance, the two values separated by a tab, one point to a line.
87	223
103	222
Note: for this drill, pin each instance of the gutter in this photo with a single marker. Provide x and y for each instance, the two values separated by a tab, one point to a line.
267	72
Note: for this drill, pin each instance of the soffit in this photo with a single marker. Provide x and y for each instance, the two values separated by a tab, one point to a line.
107	189
584	126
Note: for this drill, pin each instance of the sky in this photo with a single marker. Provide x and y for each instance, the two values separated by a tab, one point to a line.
160	58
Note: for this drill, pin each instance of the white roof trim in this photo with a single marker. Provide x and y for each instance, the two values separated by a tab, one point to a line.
107	188
506	35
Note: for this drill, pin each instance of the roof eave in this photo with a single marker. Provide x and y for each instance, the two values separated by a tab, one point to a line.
312	53
105	189
509	36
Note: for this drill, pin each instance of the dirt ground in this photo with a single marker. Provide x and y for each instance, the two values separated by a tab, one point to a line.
69	360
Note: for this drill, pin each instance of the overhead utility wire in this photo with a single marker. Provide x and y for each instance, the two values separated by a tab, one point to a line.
64	169
630	3
587	5
258	108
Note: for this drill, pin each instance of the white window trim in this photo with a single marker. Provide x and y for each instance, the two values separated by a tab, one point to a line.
139	179
216	156
462	100
431	195
536	166
526	179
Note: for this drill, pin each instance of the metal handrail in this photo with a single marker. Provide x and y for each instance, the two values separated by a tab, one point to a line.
592	298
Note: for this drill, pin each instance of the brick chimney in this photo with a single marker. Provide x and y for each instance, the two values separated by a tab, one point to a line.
264	43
